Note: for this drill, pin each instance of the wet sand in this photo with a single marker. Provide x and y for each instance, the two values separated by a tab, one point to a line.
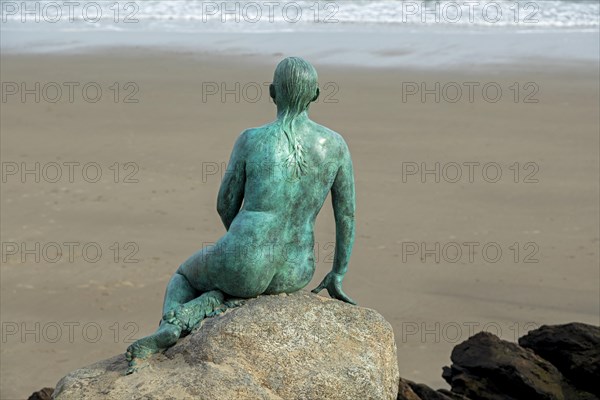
157	205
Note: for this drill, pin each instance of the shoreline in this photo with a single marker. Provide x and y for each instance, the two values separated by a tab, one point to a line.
544	66
452	49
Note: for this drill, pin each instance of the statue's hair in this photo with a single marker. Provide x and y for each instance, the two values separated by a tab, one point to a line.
296	84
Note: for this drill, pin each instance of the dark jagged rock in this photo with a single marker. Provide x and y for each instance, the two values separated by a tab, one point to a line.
574	349
559	362
452	395
426	393
488	368
409	390
44	394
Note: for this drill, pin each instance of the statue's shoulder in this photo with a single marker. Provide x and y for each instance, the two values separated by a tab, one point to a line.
248	133
247	137
326	132
253	133
332	137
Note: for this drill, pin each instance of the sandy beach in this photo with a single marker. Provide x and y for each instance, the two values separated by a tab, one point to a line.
503	237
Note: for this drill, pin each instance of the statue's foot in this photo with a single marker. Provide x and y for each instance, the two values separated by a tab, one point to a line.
136	355
189	315
165	337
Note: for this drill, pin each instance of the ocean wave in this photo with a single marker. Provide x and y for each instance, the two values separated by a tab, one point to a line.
256	16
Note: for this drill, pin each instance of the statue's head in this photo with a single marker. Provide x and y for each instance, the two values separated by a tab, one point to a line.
295	85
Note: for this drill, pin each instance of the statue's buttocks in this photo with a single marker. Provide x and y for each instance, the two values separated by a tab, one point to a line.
269	246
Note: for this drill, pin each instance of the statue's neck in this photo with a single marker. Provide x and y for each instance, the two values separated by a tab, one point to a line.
303	116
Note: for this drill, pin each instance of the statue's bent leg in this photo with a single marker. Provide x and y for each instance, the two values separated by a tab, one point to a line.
189	315
189	298
179	291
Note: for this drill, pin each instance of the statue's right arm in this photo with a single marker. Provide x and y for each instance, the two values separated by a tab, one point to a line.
343	200
231	193
342	196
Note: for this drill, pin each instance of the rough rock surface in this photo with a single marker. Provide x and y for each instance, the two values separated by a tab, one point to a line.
486	367
405	392
299	346
574	349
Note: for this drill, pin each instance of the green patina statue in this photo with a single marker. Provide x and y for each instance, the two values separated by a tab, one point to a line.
278	178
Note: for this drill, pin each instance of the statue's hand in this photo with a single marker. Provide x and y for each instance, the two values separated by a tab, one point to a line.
333	283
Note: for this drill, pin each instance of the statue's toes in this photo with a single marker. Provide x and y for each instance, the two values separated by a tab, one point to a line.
131	352
183	315
169	316
131	368
234	302
216	312
135	367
